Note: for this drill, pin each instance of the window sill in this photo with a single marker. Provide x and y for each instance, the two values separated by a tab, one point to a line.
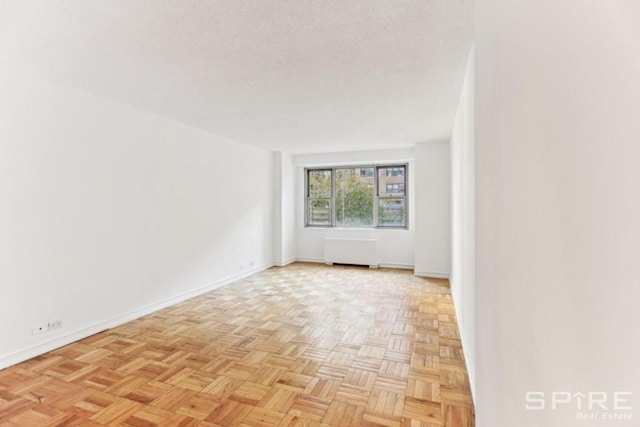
327	227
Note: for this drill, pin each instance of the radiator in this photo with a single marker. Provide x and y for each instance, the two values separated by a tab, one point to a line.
351	251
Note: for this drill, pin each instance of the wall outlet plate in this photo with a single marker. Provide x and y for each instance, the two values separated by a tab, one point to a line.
45	327
38	329
56	324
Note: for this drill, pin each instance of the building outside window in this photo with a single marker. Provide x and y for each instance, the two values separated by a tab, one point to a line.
366	172
395	188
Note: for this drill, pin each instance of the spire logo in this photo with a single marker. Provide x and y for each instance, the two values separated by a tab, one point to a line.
589	406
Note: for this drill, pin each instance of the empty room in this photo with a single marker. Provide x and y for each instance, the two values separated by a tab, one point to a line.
319	213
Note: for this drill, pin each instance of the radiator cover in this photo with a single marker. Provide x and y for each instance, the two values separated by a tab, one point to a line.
351	251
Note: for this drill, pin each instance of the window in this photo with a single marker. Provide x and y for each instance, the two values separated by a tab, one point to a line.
391	197
319	197
360	196
354	197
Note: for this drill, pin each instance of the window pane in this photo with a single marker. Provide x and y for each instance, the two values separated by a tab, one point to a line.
391	212
354	197
395	189
391	181
320	183
319	212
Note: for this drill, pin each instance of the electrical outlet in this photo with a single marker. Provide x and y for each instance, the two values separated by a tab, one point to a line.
250	263
38	329
45	327
56	324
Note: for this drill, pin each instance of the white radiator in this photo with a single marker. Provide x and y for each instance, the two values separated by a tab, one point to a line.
351	251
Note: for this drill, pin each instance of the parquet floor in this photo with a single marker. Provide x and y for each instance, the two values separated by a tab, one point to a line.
303	345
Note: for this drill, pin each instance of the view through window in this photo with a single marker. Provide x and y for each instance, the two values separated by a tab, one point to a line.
360	196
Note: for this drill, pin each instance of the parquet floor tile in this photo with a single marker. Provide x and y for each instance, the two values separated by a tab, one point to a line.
303	345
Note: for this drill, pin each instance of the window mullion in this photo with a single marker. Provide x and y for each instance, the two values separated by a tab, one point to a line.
307	220
375	197
333	197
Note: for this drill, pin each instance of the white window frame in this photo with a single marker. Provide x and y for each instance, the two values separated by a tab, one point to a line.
376	196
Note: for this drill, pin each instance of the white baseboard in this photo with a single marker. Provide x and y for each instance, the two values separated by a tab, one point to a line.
382	265
44	347
399	266
284	263
317	260
431	274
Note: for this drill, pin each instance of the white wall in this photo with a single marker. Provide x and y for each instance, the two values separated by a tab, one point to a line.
284	209
107	212
395	247
433	209
463	219
366	157
558	205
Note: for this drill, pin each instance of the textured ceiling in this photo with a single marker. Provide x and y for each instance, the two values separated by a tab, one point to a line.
301	75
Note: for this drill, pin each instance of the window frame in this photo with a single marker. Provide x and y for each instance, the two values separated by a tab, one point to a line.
308	198
376	196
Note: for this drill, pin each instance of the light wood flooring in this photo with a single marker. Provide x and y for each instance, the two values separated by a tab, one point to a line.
303	345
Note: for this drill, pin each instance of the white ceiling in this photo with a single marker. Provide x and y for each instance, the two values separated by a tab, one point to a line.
300	75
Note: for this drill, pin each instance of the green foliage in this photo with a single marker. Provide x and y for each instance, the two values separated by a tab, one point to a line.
354	198
320	183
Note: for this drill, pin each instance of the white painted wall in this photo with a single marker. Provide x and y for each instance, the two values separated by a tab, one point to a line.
366	157
463	219
288	209
395	247
284	209
107	212
558	205
433	209
277	209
